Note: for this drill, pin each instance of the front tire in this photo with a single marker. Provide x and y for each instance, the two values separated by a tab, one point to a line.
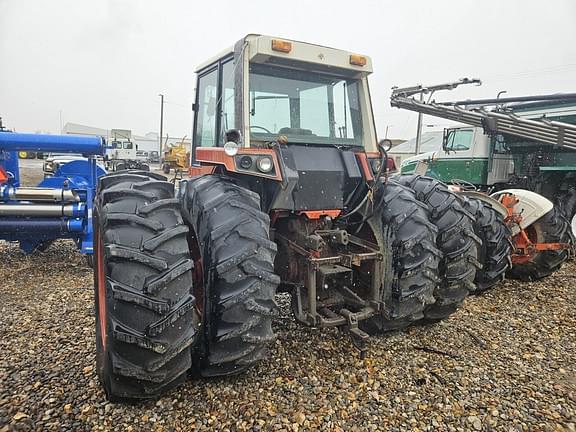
234	251
145	312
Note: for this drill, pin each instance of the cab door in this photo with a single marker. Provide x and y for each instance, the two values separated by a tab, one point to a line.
501	166
214	108
457	160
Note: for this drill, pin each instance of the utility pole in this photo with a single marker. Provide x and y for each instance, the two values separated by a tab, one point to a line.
419	127
161	126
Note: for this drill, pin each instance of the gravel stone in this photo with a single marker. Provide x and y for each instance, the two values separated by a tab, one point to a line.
506	361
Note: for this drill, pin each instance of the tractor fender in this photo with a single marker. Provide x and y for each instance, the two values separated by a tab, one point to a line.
496	205
531	206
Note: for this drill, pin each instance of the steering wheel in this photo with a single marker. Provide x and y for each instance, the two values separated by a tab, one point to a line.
262	128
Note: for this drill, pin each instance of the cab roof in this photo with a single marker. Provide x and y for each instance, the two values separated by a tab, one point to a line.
260	49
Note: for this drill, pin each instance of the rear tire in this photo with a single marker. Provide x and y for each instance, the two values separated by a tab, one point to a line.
408	242
456	240
496	250
567	204
231	235
550	228
145	312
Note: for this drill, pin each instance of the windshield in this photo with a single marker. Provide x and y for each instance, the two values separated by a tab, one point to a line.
306	107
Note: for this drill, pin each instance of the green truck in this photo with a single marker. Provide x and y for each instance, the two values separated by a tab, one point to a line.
523	143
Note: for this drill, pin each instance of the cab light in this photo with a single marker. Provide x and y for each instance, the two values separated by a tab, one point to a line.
265	164
358	60
246	162
282	46
231	148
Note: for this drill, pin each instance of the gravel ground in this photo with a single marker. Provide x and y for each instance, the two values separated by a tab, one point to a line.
506	361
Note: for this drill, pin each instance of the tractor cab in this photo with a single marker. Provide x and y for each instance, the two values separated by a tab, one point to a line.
121	145
292	117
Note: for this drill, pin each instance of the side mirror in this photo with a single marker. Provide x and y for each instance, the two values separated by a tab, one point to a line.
386	144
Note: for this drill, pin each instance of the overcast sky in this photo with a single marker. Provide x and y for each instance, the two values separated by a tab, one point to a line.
103	62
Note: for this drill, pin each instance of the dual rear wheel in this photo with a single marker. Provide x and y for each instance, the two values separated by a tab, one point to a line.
155	318
189	284
146	317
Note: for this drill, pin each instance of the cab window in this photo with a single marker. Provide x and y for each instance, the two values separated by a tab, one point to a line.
206	120
227	120
459	139
304	106
499	144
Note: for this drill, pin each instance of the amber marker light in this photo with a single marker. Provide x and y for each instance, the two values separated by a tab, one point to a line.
282	46
357	60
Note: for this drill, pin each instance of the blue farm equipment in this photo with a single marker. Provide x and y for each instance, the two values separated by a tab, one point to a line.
60	206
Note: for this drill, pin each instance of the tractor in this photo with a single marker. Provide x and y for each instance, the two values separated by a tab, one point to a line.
176	158
289	192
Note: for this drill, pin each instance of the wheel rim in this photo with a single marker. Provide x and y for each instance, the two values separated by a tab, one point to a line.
573	224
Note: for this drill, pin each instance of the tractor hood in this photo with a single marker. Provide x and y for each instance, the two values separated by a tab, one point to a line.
317	177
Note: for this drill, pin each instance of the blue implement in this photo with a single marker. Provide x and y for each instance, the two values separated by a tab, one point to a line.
61	205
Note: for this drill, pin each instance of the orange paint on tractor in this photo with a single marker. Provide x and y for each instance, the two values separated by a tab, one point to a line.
525	242
196	171
101	275
317	214
362	158
217	156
